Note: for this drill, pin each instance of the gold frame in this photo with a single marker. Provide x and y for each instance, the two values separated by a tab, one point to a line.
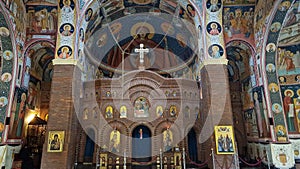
221	134
61	138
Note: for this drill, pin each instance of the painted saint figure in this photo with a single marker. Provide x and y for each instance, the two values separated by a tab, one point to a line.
288	107
55	143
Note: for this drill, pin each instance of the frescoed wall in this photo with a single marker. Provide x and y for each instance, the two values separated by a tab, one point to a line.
238	23
6	68
17	113
41	20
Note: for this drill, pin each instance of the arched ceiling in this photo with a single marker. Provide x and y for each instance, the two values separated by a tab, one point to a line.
40	55
119	27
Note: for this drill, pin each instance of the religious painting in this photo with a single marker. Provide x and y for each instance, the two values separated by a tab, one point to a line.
280	131
109	112
282	79
173	111
290	30
123	112
181	40
112	6
17	113
213	5
290	96
88	14
288	60
270	67
284	6
239	2
141	107
187	112
129	10
85	114
4	32
214	28
168	5
56	141
224	140
81	34
246	94
102	40
3	101
66	29
6	77
167	140
238	23
42	19
297	78
66	6
7	55
142	30
275	27
215	51
159	111
103	161
190	10
297	109
271	47
276	108
64	52
273	87
167	28
114	141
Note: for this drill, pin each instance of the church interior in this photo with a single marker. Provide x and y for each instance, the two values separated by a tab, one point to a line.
150	84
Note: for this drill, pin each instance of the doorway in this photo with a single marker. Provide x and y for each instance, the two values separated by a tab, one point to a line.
141	147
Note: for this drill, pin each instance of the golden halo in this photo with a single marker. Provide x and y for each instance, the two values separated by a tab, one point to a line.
116	27
1	127
167	28
213	25
298	92
289	90
181	40
67	26
135	29
62	49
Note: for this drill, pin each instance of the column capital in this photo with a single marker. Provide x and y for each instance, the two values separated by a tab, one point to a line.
221	61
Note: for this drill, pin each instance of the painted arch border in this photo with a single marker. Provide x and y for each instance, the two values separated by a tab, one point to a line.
268	57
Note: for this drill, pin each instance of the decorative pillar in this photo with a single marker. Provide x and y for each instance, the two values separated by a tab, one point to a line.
62	115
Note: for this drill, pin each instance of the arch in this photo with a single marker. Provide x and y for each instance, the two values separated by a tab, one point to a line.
89	145
192	145
141	143
8	40
272	37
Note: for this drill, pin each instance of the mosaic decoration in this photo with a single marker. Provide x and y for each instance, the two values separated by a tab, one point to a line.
272	78
282	155
6	67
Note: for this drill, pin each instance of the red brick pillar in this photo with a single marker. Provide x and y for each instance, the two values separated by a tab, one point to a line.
216	106
62	117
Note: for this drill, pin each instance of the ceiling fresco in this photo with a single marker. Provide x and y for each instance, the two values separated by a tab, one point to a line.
165	41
